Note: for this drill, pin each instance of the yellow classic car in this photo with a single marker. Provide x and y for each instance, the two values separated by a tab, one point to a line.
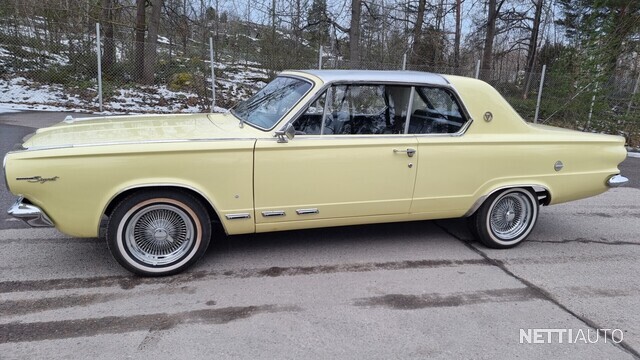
311	149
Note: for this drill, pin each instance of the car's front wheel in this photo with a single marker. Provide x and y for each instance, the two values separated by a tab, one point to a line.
506	218
158	233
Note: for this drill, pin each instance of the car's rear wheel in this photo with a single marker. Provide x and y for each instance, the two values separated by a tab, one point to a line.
506	218
158	233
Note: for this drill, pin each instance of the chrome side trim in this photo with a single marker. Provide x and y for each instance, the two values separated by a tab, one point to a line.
536	188
238	216
273	213
36	148
31	214
363	136
307	211
616	181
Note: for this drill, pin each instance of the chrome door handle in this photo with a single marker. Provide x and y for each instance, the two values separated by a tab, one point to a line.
273	213
410	152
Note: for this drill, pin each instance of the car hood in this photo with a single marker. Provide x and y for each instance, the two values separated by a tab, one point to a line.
139	129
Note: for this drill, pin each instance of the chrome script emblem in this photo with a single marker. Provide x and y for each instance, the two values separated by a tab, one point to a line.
38	179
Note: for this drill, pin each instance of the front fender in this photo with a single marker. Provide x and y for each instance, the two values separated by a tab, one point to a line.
89	178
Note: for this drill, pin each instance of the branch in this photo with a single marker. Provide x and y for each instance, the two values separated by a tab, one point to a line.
374	16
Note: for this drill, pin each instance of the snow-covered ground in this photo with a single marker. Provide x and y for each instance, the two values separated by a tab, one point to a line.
7	109
238	81
237	84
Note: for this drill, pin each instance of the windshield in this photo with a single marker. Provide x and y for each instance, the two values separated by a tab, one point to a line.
270	104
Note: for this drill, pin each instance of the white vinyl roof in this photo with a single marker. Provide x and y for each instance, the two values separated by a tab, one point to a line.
377	76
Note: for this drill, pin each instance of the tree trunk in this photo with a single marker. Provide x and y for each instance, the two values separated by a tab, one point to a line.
417	32
295	26
354	34
383	39
152	42
456	41
533	47
138	63
109	51
487	55
217	29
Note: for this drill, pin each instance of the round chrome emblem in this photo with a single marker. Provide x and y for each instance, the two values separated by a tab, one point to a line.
160	235
488	116
558	165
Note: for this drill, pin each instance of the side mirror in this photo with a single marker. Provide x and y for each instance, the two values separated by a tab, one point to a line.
289	131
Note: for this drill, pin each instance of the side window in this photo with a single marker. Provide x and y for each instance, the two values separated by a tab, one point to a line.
435	111
310	122
366	109
398	100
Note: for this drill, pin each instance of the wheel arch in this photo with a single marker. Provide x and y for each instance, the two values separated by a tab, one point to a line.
542	193
124	193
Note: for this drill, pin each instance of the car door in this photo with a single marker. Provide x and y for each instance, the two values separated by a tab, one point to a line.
346	160
451	168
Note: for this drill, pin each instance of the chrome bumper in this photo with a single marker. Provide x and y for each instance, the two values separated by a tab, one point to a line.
617	180
31	214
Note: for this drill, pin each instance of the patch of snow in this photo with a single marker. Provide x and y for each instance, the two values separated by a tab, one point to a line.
7	109
237	81
41	107
49	58
248	37
633	154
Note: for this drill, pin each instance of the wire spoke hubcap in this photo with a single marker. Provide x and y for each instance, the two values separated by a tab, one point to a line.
159	234
511	216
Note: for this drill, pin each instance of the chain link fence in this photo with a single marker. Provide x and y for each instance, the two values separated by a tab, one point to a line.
608	106
38	69
48	65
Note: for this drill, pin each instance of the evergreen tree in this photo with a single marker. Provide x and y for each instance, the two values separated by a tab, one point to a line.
601	28
318	23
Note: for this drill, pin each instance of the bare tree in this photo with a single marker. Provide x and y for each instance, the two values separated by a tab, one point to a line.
533	47
493	10
354	34
417	30
109	51
458	35
138	62
152	42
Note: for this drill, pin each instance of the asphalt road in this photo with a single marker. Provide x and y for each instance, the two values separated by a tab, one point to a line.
407	290
631	169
